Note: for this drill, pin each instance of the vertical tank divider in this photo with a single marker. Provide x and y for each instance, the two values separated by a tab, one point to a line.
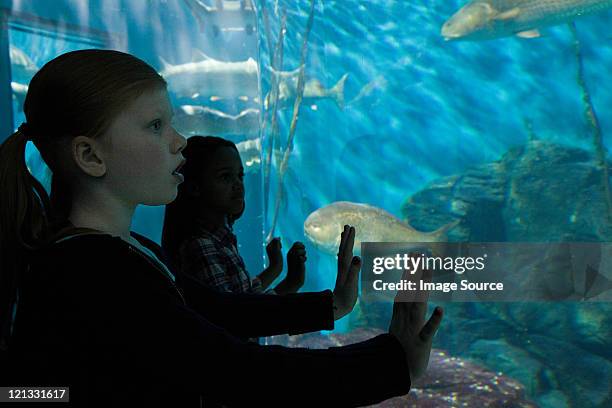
276	63
296	110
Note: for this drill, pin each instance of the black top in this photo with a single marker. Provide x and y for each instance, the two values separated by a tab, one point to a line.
97	315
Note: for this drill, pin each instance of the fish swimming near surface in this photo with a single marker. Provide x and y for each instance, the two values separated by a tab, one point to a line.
489	19
372	224
192	120
22	66
212	77
250	154
313	91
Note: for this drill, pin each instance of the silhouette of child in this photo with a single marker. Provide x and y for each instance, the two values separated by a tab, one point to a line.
198	236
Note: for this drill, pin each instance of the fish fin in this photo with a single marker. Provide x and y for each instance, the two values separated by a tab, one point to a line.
508	14
529	33
441	232
165	64
338	91
198	53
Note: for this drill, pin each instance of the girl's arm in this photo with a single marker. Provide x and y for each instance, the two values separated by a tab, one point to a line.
164	337
275	259
252	315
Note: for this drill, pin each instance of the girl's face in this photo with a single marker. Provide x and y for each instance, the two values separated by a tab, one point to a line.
222	182
142	151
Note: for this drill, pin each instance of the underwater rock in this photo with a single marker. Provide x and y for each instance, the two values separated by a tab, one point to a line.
449	381
587	325
538	192
585	378
512	360
554	399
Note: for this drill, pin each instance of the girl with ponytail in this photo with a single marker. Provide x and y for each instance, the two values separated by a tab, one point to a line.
23	221
96	307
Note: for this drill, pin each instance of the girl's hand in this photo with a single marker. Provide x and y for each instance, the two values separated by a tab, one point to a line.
409	327
275	257
296	267
345	292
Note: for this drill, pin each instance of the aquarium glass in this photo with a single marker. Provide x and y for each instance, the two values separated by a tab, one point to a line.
491	126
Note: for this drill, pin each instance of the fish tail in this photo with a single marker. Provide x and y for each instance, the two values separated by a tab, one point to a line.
338	91
440	233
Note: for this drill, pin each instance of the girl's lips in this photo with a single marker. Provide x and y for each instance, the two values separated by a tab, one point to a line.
176	171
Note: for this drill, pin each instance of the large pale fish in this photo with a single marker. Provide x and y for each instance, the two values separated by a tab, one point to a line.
372	224
489	19
22	66
313	91
192	120
209	77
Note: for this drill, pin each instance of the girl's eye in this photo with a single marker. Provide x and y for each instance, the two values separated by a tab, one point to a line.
156	125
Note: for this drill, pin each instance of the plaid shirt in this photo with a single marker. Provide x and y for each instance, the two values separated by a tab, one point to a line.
213	258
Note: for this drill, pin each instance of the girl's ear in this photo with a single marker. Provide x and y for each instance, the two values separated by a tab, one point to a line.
88	156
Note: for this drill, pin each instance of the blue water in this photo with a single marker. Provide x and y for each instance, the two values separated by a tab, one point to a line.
417	108
434	109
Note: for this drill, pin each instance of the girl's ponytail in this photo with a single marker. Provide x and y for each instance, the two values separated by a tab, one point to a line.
23	222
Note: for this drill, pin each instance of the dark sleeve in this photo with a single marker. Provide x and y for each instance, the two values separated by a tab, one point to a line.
167	339
259	315
254	315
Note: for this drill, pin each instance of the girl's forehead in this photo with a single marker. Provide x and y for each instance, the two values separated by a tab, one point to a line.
226	157
156	99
